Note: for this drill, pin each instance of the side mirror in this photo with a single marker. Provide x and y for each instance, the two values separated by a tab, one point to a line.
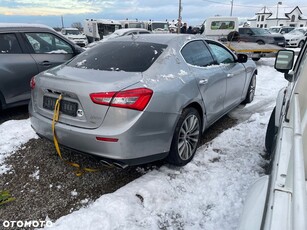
284	62
78	49
242	58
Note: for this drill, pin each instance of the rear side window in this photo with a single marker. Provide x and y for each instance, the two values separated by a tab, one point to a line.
9	44
221	54
46	43
196	53
119	56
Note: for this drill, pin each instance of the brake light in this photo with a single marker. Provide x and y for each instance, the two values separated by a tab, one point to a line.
136	99
32	83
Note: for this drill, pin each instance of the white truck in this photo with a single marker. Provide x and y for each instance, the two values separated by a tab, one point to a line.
278	201
75	36
96	29
132	24
225	29
158	27
219	27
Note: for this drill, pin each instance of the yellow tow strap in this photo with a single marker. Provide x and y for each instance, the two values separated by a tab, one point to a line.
55	119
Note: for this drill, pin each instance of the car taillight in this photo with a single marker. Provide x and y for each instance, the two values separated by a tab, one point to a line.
136	99
32	83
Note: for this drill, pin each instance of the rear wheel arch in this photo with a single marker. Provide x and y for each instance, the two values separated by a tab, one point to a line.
200	111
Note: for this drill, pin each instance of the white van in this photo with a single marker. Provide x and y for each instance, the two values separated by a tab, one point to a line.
132	24
96	29
219	27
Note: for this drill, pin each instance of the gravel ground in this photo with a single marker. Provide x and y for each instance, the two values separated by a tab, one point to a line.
44	186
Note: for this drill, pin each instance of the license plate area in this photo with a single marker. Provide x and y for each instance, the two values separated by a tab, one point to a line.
66	107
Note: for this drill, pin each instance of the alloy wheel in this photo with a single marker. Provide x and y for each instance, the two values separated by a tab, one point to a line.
188	137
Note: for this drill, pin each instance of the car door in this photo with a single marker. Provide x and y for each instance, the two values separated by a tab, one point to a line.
48	50
235	72
17	67
247	35
210	78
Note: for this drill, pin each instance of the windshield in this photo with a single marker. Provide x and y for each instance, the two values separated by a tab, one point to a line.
274	30
128	56
159	25
260	31
73	32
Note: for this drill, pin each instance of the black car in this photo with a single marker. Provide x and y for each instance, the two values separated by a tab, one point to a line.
26	50
260	36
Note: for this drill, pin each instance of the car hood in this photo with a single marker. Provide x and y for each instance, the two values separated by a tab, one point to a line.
291	36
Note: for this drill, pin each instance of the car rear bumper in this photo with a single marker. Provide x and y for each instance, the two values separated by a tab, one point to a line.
141	143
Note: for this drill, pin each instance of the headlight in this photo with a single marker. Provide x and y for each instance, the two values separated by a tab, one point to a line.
294	39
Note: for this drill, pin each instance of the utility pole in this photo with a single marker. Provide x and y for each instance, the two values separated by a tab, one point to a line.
231	7
62	21
277	16
179	18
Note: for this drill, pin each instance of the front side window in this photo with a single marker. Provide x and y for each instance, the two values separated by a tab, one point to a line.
196	53
45	43
9	44
221	54
125	56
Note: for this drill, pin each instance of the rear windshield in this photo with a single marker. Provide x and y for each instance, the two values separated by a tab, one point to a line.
125	56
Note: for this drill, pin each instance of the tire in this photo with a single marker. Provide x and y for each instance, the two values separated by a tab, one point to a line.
260	42
250	91
301	44
255	59
270	136
186	137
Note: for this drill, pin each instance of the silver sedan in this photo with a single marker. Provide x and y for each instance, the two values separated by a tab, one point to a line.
133	100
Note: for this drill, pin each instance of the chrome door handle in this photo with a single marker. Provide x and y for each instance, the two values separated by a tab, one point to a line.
203	81
230	75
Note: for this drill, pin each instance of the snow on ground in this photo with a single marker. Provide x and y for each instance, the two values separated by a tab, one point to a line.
208	193
13	134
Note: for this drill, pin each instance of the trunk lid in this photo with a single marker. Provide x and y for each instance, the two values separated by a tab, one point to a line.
75	85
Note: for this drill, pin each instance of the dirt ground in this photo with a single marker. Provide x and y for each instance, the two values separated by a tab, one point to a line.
46	187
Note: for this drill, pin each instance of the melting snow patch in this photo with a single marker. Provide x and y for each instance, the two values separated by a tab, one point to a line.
182	73
13	134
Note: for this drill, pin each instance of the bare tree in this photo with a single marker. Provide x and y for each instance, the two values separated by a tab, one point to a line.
77	25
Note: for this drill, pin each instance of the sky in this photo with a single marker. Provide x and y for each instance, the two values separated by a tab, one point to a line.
208	193
194	12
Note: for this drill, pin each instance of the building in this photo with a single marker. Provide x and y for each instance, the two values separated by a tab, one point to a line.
266	18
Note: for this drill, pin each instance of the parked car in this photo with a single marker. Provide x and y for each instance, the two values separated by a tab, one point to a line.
120	33
296	38
280	29
75	36
137	100
260	36
279	200
26	50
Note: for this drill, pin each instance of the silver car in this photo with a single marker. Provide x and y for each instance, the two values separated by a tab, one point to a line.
133	100
26	50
